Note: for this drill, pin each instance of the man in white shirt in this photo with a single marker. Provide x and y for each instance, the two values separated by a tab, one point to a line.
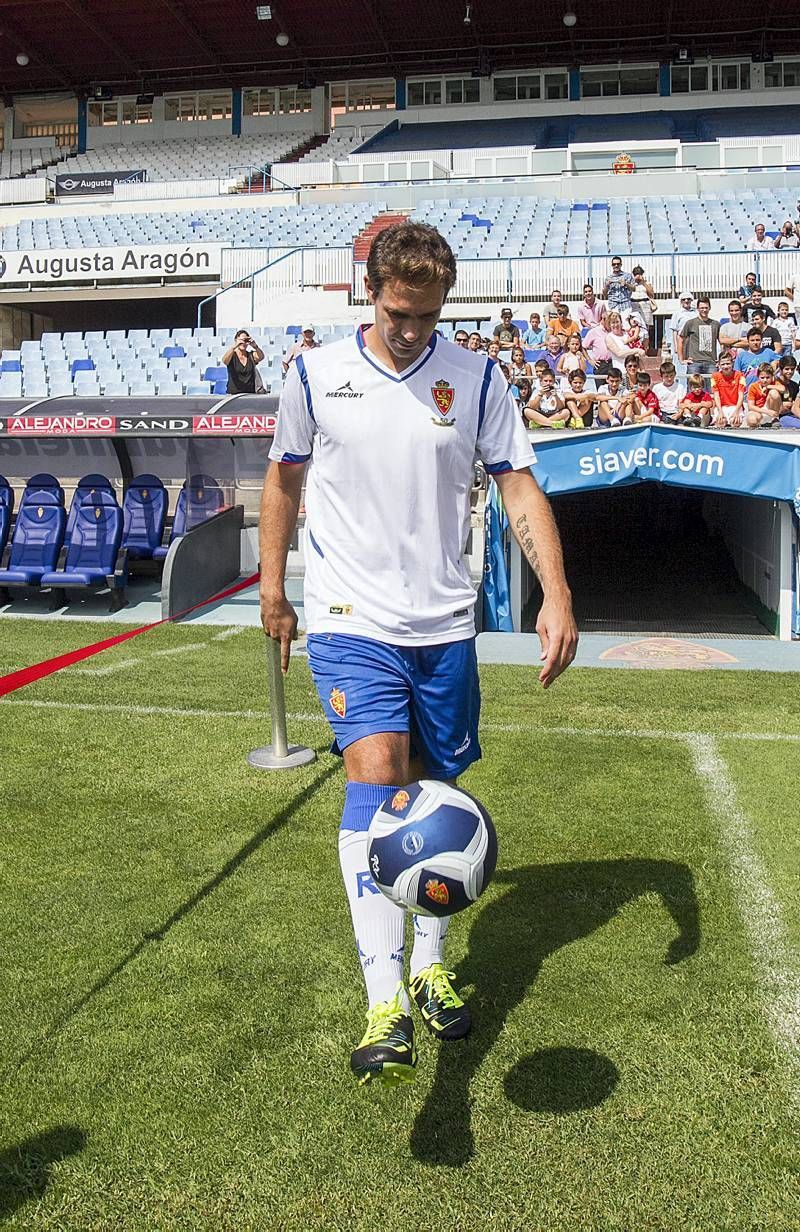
392	420
305	341
760	241
683	313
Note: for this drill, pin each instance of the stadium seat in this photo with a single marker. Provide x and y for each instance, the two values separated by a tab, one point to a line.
85	487
93	558
82	364
197	391
199	498
6	510
42	481
144	512
36	542
173	352
216	375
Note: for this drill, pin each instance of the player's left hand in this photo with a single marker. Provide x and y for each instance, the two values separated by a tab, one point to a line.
558	635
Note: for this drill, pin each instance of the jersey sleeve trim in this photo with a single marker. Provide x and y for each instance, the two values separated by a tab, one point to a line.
301	368
487	380
292	459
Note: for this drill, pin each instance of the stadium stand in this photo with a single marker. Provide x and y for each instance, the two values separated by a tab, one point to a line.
212	157
316	225
340	144
22	161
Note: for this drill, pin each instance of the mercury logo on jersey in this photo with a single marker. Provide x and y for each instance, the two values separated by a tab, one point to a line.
344	391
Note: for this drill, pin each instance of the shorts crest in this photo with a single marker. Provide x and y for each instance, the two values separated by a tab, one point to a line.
338	702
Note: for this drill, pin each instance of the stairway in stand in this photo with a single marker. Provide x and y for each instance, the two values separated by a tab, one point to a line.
363	241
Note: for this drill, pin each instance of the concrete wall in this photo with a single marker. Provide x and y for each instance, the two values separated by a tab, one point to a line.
753	532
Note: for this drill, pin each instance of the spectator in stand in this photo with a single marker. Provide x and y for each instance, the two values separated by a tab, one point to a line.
760	241
635	330
579	401
769	335
524	387
618	287
644	298
757	304
790	411
475	342
613	402
680	316
787	237
547	408
242	360
591	310
792	289
518	365
596	349
733	332
763	399
670	393
696	407
534	334
632	368
552	352
563	326
571	360
746	290
493	349
747	361
539	368
461	337
644	403
728	391
786	326
617	339
552	306
305	341
697	341
505	331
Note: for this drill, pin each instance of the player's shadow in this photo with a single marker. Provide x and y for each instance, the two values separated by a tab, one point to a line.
25	1167
544	908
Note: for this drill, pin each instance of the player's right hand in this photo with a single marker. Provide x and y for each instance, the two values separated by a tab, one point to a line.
280	622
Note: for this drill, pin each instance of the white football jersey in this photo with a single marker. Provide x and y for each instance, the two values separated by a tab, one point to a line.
388	486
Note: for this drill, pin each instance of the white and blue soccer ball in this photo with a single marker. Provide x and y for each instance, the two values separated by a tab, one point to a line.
432	848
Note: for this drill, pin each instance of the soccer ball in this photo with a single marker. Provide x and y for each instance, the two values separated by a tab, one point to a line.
432	848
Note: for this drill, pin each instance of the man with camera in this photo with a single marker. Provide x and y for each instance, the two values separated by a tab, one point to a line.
241	360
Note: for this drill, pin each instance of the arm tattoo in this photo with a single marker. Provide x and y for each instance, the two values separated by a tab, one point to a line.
526	543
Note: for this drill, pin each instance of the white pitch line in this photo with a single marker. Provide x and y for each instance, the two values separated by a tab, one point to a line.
194	712
171	652
759	908
105	671
224	634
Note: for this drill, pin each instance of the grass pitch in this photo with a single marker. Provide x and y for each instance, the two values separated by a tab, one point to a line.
180	991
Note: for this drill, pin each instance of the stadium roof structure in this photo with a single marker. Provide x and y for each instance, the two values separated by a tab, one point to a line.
148	46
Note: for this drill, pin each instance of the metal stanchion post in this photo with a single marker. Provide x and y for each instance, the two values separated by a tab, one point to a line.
280	755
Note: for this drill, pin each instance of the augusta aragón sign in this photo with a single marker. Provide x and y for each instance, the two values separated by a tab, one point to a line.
94	183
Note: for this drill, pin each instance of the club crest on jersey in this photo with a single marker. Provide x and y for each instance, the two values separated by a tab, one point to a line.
443	396
338	702
399	801
437	890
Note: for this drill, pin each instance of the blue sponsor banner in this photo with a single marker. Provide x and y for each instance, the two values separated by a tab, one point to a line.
756	465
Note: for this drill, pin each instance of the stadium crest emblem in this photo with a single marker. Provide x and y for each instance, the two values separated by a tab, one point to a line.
338	702
437	891
443	396
623	164
399	801
412	843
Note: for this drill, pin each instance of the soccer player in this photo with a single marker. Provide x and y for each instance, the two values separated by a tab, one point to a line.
392	420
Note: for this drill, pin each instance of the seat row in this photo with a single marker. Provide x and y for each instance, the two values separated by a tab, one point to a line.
90	546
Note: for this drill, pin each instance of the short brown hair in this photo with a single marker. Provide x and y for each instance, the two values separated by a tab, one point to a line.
412	253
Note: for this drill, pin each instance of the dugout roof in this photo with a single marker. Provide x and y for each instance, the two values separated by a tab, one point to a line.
148	46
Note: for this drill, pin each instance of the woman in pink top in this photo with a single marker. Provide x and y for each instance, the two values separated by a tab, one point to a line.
590	310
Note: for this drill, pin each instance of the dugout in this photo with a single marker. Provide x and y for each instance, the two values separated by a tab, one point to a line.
672	531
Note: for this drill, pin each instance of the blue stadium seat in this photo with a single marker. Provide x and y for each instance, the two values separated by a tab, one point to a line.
85	487
36	542
10	362
199	498
81	365
173	352
216	374
144	512
6	509
93	558
42	481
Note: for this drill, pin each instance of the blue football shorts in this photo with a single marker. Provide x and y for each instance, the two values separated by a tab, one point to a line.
432	692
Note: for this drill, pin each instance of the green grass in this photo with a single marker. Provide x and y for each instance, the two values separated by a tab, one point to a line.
180	991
